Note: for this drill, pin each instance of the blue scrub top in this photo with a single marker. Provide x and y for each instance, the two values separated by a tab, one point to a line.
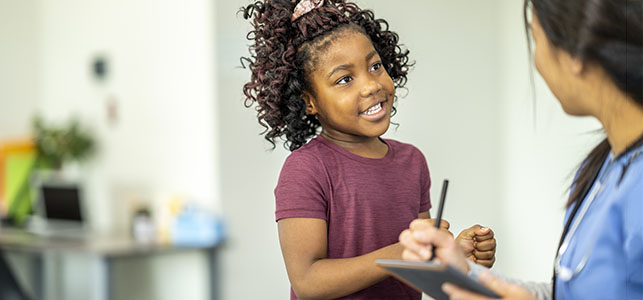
612	229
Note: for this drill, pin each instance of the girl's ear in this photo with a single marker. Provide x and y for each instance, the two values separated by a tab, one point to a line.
309	99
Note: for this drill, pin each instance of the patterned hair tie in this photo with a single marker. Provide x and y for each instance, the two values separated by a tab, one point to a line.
305	7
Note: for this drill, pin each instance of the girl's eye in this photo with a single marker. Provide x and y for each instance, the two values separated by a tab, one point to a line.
376	66
344	80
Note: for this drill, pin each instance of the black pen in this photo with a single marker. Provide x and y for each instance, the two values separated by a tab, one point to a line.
438	220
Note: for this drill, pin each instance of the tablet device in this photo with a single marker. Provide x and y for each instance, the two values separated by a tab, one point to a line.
429	276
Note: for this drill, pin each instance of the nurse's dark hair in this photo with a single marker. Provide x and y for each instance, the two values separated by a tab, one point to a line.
283	53
607	33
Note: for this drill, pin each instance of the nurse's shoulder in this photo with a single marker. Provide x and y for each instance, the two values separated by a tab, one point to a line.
630	202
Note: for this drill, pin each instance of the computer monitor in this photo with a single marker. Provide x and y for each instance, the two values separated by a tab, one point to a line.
61	202
58	210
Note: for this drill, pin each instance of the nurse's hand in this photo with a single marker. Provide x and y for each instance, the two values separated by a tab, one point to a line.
506	290
478	244
419	240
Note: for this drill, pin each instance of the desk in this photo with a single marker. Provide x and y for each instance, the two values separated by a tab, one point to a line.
106	248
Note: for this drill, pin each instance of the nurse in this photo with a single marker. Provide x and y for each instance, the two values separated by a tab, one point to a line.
590	53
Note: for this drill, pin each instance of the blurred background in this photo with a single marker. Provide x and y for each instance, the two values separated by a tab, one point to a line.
142	103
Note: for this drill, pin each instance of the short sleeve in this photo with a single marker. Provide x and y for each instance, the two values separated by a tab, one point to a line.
425	177
303	188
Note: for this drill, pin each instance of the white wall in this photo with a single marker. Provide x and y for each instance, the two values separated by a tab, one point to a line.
164	141
541	148
19	80
161	79
452	112
252	264
19	66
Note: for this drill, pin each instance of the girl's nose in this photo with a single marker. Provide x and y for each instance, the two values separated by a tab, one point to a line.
371	87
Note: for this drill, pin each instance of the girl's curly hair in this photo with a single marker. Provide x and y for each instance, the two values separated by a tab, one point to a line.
283	54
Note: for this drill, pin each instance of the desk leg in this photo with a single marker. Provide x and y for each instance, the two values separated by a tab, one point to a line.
214	274
103	279
38	275
47	279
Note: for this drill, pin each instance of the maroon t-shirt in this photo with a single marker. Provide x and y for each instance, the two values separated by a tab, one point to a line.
366	202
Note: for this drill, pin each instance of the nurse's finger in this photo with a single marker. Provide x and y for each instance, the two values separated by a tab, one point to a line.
447	231
413	256
444	224
423	224
413	249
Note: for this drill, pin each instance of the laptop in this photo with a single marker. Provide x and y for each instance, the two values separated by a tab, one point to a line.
58	211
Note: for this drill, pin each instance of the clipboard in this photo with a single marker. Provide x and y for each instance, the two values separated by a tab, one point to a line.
429	276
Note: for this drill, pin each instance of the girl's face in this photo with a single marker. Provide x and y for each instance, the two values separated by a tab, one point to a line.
560	71
353	94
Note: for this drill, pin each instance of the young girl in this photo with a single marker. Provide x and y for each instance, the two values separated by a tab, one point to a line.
344	196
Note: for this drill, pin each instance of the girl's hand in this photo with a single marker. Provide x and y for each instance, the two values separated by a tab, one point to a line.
478	244
506	290
418	242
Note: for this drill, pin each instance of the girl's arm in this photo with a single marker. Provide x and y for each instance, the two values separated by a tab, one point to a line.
313	276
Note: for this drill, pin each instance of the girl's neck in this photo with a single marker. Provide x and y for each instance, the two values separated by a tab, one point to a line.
622	120
369	147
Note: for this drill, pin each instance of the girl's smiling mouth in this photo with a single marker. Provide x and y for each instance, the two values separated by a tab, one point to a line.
375	112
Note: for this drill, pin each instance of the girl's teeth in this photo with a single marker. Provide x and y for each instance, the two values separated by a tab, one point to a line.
374	109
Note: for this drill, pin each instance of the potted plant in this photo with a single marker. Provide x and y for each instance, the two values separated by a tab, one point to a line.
53	148
58	145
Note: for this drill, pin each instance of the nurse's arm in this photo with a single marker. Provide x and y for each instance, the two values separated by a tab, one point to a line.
505	290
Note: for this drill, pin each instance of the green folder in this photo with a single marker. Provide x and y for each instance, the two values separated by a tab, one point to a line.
19	167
